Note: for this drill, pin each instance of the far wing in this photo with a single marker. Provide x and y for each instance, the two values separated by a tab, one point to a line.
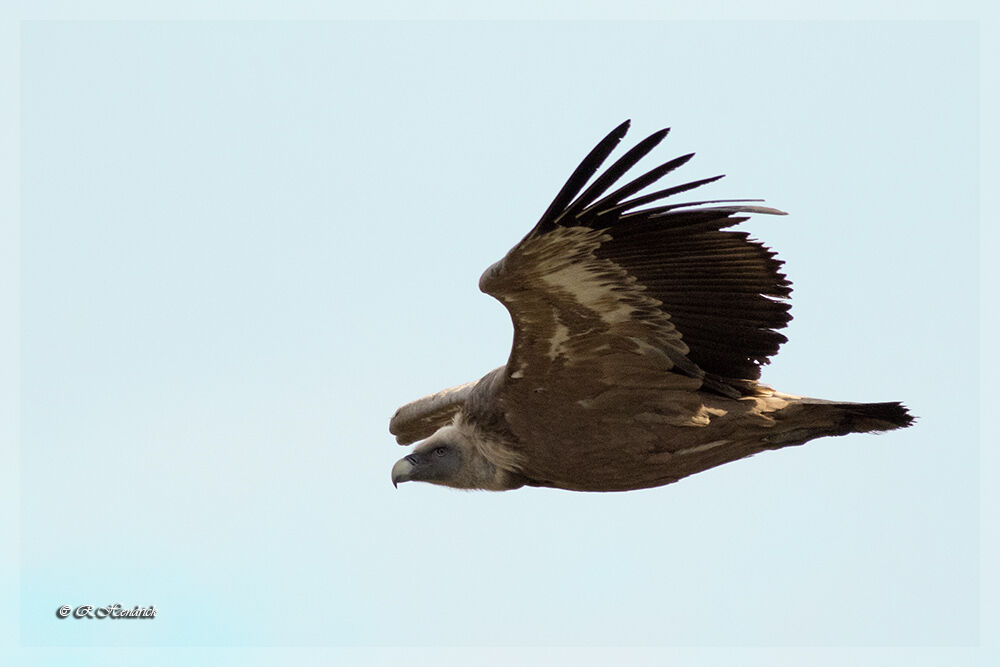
419	419
602	284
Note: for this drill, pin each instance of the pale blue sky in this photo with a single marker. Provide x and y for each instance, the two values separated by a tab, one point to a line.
243	245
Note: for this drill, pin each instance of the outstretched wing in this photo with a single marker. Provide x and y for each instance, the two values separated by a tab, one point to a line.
601	283
419	419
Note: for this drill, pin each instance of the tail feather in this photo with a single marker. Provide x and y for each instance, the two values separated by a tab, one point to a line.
868	417
810	418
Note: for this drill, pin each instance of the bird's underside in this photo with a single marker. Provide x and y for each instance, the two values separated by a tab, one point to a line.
638	337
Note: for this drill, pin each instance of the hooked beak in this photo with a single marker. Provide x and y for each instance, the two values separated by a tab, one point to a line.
402	471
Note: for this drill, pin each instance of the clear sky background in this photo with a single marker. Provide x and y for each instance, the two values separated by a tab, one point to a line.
244	244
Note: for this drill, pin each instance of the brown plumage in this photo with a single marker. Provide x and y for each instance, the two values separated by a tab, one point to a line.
638	339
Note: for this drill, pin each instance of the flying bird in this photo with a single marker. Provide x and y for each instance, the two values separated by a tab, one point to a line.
639	333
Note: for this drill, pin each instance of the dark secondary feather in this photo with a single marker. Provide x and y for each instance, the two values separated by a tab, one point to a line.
720	288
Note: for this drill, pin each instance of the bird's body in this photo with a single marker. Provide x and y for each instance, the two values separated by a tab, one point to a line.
638	336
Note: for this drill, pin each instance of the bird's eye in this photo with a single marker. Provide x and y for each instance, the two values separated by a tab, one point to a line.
440	451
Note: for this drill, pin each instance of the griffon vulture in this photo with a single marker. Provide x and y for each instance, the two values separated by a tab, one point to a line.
639	333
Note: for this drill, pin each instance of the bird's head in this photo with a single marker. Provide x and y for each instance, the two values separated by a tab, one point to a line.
438	459
452	458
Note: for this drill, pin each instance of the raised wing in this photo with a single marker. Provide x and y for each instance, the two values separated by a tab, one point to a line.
419	419
660	289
